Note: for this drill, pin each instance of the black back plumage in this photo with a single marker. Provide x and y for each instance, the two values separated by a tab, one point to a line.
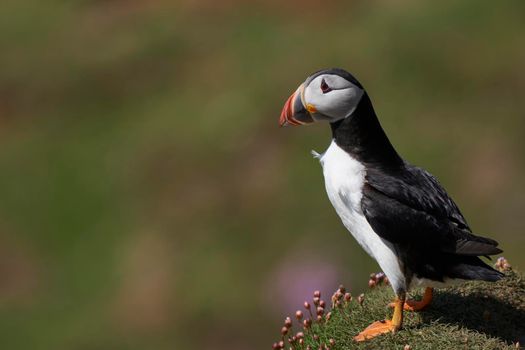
407	206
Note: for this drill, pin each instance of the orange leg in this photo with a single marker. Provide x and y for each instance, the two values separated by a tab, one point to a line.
414	305
386	326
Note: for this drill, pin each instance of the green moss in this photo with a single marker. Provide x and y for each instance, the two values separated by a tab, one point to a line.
474	315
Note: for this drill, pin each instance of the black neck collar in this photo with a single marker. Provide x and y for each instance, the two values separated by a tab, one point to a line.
361	135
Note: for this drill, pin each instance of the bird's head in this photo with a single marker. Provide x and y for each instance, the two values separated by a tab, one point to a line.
330	94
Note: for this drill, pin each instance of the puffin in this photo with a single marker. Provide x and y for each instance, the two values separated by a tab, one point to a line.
397	212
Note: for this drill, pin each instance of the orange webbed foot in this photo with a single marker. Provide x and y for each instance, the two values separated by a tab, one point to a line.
375	329
411	305
415	305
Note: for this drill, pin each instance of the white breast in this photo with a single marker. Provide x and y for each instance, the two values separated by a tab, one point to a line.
344	179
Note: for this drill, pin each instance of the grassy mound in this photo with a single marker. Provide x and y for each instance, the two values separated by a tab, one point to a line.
473	315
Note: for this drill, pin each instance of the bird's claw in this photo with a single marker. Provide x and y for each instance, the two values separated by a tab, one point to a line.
375	329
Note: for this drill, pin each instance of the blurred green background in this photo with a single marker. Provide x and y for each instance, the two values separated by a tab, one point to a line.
148	199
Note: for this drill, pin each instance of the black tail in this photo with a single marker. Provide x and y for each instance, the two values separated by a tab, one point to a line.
472	268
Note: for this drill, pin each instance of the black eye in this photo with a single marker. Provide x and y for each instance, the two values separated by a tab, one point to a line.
324	87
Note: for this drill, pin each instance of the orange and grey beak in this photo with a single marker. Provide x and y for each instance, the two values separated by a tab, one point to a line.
294	111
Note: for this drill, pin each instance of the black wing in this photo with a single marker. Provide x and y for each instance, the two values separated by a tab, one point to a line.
409	205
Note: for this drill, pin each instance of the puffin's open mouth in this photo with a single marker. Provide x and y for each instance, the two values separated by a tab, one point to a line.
294	112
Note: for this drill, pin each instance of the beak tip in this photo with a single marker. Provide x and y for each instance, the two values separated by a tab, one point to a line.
287	112
294	112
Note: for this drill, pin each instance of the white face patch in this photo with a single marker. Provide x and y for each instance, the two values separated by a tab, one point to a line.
338	102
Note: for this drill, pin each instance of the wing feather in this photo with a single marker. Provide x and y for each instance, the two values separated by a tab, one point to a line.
410	206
